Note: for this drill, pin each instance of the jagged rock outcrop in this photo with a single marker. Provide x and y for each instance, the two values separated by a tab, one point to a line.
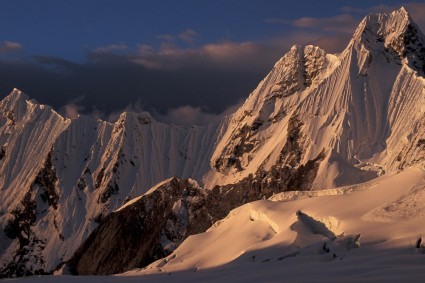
362	109
73	173
316	121
28	258
155	224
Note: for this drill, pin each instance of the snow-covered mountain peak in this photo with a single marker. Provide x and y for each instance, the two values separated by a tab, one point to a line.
14	105
301	64
345	106
142	118
316	121
254	128
395	35
383	24
16	94
67	174
17	106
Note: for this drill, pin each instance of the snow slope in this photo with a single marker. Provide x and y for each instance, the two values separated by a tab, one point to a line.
387	215
316	121
363	109
359	234
59	177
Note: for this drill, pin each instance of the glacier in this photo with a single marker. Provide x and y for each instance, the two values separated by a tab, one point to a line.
317	121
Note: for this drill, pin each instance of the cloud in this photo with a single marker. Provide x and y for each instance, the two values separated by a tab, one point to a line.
136	107
344	23
229	55
208	78
332	33
109	81
190	115
227	50
330	42
415	9
183	115
180	83
348	20
72	109
187	36
10	47
55	63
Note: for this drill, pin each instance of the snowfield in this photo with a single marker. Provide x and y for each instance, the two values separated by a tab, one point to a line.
364	233
82	191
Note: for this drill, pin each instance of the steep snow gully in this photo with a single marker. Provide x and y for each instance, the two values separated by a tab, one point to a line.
335	142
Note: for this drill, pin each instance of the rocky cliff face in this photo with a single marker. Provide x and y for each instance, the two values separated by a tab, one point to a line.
352	107
155	224
60	177
316	121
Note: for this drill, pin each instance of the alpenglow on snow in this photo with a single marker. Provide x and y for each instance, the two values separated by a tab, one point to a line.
316	121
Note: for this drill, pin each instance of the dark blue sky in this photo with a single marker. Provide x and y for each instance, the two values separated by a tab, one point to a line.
105	54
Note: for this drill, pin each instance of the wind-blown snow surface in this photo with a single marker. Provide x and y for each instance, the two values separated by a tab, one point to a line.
271	241
77	171
316	121
363	108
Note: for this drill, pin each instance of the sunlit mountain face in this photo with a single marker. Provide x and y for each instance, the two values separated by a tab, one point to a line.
320	169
